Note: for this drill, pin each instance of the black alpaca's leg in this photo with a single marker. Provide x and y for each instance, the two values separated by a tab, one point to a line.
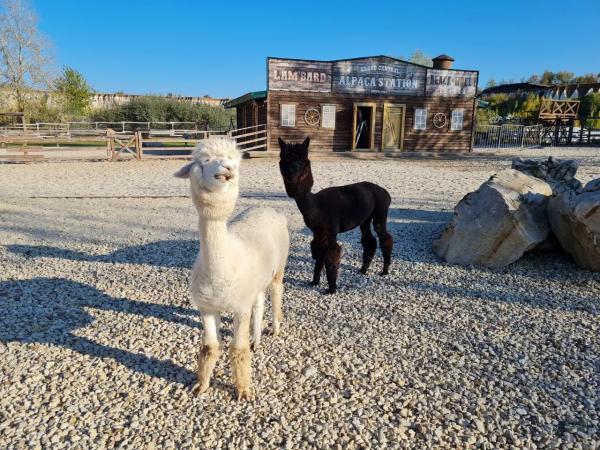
317	272
369	244
318	254
333	256
386	242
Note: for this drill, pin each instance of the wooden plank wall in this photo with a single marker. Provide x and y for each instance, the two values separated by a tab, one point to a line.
251	113
340	139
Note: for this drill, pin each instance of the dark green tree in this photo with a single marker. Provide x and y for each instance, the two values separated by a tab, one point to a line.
589	110
74	90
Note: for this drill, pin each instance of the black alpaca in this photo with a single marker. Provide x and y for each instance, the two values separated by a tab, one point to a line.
335	210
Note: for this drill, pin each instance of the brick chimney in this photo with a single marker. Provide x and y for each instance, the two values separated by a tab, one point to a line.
443	62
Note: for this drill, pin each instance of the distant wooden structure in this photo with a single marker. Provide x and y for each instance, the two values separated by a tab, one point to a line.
558	118
9	118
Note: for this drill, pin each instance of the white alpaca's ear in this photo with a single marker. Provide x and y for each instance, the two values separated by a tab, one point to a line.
184	172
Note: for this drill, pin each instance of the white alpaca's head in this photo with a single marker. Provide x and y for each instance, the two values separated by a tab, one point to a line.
214	177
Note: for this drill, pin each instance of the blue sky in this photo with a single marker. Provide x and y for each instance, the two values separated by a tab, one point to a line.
219	47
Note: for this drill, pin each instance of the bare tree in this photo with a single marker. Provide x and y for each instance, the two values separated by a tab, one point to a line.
23	51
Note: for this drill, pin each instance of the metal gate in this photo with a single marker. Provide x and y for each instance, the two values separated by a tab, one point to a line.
507	136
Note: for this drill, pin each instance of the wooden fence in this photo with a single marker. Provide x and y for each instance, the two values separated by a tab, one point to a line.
98	128
112	145
250	138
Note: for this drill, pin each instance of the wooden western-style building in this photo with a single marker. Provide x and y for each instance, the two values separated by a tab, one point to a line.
373	103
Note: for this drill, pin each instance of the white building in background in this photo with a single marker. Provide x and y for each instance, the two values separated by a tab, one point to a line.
102	100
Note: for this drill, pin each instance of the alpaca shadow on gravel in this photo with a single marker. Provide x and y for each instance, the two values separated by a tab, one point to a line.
414	231
51	310
176	253
421	215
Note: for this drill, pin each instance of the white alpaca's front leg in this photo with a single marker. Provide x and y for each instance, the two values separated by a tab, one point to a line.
277	301
257	320
209	353
240	357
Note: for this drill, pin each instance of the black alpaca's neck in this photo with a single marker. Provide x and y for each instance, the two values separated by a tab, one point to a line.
308	206
306	202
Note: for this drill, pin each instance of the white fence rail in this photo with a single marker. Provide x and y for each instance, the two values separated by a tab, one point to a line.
506	136
96	128
250	138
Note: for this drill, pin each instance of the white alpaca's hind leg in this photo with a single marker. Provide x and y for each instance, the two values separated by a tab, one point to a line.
257	320
277	301
209	353
239	354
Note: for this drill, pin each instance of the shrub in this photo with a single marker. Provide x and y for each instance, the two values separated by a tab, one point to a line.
164	109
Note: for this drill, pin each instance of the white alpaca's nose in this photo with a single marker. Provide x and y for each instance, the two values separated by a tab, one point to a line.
225	171
226	165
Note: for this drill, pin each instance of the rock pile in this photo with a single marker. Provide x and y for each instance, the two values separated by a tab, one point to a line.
521	208
496	224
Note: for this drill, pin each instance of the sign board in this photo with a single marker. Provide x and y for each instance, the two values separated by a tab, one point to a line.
295	75
379	75
451	83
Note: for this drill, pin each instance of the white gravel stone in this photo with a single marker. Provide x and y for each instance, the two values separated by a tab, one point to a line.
98	339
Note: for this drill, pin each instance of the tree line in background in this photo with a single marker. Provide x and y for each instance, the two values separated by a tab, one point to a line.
27	84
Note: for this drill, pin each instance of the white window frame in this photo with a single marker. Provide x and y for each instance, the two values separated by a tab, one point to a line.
455	125
287	115
328	122
418	125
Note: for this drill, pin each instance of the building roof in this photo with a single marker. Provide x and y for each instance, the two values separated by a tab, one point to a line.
558	90
514	88
449	58
573	90
257	95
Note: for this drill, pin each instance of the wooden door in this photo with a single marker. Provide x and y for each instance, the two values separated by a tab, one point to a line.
393	127
373	111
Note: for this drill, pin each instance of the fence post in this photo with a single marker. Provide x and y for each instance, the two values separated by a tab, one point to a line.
138	145
110	144
499	136
123	126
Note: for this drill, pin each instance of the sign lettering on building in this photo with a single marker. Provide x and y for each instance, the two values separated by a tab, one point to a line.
292	75
378	76
451	83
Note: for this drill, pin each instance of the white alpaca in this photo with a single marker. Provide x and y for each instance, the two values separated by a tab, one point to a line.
236	263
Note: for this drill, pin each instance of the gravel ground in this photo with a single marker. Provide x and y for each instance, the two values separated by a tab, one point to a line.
98	338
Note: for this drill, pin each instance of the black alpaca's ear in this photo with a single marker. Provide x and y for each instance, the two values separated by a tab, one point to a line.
282	144
306	143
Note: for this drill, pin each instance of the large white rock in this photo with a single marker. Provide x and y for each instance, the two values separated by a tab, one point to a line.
495	225
575	221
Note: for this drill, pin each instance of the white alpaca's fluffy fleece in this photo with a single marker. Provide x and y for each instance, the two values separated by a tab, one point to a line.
237	263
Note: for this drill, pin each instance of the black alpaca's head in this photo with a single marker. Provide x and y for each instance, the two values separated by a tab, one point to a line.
295	168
